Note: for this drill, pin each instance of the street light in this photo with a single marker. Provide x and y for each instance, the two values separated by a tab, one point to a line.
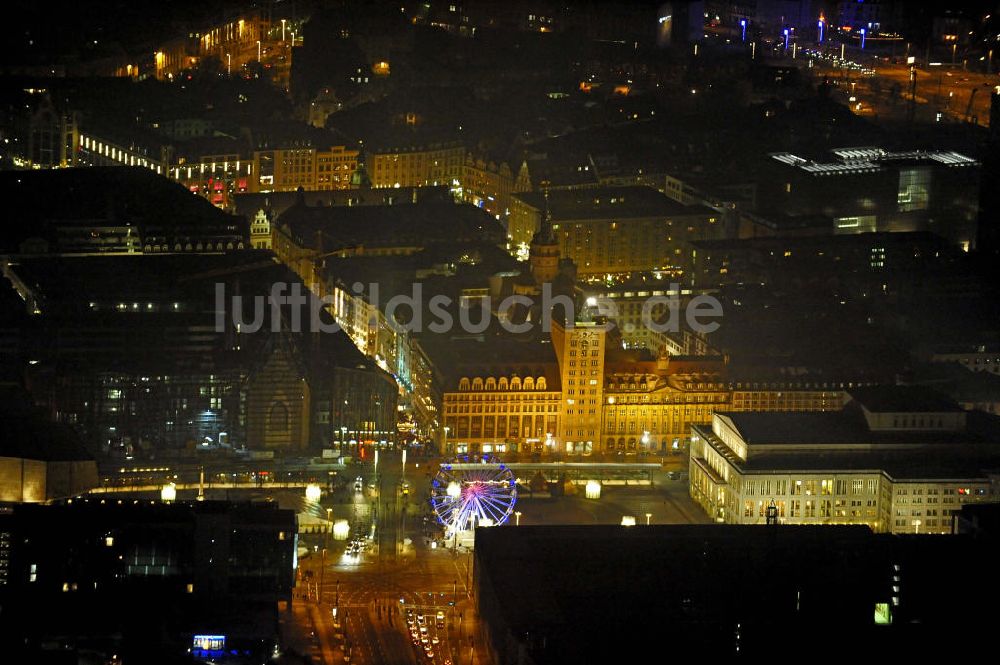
258	50
517	517
283	30
229	64
322	577
445	446
648	515
743	25
863	32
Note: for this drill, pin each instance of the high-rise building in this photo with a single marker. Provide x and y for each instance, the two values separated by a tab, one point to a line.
580	349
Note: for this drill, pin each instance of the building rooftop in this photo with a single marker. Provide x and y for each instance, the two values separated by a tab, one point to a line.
798	427
870	160
45	203
574	594
609	203
902	399
411	225
27	434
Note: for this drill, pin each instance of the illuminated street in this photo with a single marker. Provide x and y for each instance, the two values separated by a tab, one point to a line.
400	564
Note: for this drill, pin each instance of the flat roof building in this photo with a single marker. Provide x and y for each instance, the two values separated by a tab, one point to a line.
898	459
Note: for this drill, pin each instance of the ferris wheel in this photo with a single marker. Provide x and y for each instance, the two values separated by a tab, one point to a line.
468	492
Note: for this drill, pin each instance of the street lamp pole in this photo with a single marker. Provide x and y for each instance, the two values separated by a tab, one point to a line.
229	64
322	577
283	29
648	515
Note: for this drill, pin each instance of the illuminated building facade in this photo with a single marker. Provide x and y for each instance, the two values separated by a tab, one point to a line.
609	401
417	166
489	185
312	169
893	459
615	230
221	176
510	409
581	351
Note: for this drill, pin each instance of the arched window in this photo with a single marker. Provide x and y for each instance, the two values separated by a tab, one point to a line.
463	383
540	383
277	417
491	384
477	384
529	383
515	383
503	383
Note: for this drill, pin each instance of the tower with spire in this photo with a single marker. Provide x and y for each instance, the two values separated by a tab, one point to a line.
544	252
360	179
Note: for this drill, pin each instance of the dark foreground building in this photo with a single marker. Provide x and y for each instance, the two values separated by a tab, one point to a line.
604	594
144	354
143	579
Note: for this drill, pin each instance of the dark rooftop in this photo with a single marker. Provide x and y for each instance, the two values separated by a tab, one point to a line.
608	202
798	427
667	587
415	225
902	399
27	434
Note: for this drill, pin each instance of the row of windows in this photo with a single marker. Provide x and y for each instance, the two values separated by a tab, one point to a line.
491	384
504	408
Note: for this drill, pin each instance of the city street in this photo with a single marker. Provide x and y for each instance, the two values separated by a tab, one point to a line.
885	92
407	567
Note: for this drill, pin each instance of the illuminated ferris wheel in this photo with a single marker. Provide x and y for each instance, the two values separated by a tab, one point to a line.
469	492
